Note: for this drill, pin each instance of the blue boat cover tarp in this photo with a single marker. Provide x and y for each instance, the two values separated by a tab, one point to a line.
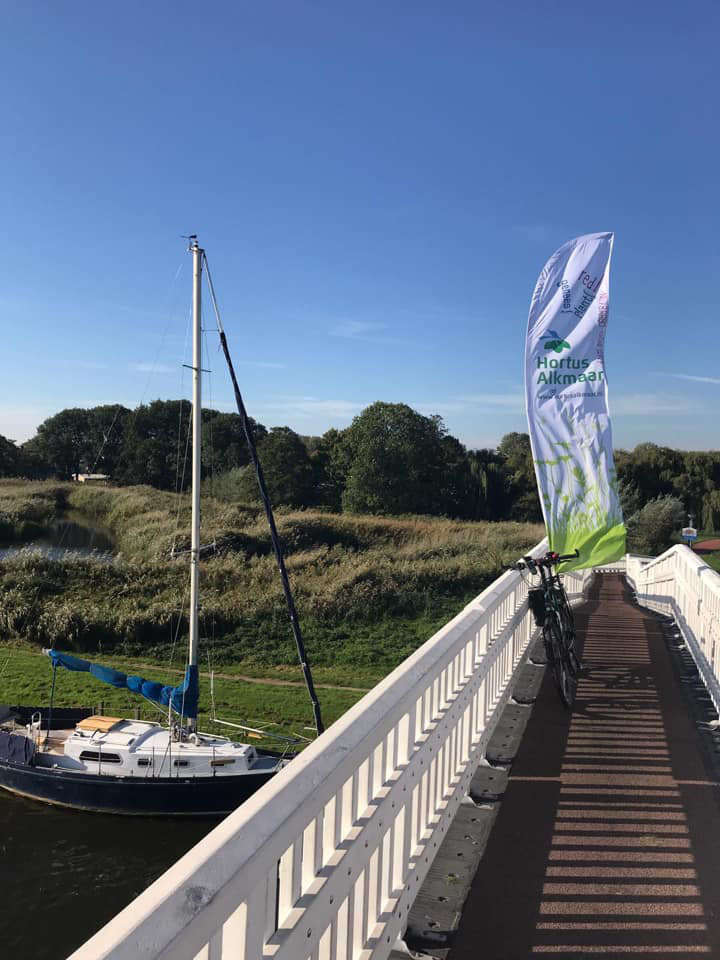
183	698
16	748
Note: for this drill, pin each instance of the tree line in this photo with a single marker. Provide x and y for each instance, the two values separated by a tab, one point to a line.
391	460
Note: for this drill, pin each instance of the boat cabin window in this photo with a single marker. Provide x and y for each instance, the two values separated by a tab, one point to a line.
143	762
96	757
222	761
180	763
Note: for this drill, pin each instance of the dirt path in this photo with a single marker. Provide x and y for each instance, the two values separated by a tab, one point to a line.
277	682
143	666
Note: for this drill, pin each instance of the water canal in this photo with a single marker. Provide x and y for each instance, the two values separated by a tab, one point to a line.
70	536
66	873
70	872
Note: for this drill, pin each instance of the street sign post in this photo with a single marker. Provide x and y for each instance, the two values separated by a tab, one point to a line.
689	534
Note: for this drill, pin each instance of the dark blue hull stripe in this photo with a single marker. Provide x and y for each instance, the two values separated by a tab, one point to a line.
141	796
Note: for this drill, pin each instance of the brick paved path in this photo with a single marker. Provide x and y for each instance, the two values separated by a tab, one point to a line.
608	839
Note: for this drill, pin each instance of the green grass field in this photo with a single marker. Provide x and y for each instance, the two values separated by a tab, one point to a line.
369	590
26	678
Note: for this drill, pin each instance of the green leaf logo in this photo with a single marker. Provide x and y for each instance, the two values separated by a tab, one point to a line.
557	345
555	342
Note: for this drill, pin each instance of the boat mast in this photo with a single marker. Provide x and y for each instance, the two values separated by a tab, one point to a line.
197	254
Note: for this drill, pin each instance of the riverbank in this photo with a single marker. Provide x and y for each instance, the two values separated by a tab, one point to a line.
369	590
28	509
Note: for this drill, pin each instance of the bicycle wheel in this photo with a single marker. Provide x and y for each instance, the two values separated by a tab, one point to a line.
562	597
554	648
568	635
565	604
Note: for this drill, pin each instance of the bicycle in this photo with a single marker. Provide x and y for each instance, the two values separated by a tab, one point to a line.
567	615
551	609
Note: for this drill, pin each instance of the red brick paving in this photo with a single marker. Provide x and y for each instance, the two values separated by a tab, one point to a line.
608	839
707	546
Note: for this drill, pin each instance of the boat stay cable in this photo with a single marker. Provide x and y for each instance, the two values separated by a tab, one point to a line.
152	370
277	547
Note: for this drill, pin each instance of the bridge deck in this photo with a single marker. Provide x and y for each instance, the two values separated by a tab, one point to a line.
608	839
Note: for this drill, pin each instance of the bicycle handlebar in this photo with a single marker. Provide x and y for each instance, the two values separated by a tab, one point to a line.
558	558
549	560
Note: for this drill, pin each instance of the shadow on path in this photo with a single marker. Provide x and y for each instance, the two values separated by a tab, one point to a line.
608	839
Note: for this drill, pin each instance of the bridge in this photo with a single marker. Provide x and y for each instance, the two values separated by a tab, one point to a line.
599	825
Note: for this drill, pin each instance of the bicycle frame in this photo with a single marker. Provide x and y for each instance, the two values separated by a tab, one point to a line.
558	623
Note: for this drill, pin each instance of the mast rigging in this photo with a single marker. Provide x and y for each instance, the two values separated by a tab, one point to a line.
277	546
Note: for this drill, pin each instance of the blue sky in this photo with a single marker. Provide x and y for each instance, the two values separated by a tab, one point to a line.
377	186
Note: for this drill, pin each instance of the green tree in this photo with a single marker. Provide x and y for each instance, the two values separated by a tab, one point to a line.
63	440
516	455
699	479
287	469
10	458
650	531
651	469
457	494
329	469
396	461
106	427
629	497
155	449
32	464
490	499
711	511
224	446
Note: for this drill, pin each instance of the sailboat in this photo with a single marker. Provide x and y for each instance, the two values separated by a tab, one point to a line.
79	759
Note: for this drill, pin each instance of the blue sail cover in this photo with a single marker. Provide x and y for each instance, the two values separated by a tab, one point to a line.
183	698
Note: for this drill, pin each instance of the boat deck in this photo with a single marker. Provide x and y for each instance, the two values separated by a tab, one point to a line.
56	742
54	745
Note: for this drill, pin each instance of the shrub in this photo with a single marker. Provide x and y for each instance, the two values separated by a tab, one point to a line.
650	530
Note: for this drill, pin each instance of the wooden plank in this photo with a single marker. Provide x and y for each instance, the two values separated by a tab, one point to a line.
101	724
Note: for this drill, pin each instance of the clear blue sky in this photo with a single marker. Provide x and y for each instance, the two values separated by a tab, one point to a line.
377	185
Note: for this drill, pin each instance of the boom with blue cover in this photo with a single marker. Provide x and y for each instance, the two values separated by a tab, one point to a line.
183	698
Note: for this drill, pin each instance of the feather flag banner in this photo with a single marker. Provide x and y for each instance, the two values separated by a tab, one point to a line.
567	405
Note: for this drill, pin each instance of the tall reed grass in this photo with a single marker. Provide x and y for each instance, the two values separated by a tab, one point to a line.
368	589
27	509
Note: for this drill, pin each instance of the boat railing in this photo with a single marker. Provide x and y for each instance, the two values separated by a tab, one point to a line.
34	728
326	859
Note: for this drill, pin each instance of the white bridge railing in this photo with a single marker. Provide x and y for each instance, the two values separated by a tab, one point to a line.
324	862
679	584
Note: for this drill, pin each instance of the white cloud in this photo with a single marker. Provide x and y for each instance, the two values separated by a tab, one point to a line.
357	329
687	376
92	365
472	403
531	232
442	407
513	401
649	405
152	368
266	364
310	407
